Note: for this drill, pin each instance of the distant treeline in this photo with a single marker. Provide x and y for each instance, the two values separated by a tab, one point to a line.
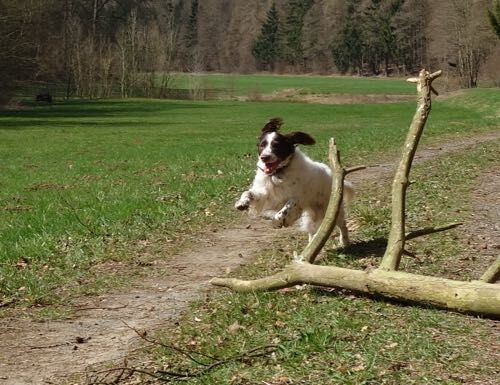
96	48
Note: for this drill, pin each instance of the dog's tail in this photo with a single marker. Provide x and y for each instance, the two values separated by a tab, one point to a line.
348	193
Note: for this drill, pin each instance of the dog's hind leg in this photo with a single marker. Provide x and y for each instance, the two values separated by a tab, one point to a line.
344	233
288	215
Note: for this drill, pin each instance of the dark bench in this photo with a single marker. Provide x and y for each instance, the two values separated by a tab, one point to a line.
44	97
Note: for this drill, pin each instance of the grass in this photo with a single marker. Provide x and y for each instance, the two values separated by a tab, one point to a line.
239	85
89	182
335	337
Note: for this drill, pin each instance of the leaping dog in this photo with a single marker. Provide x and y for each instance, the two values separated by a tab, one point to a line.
289	186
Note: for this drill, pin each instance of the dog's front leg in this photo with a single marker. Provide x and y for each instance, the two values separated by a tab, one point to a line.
287	215
244	202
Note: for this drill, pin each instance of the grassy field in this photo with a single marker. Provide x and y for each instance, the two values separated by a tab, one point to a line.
83	182
334	337
248	85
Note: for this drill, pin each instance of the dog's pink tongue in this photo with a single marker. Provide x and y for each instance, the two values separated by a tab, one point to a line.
270	167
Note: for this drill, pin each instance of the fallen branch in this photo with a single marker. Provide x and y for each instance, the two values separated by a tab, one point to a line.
124	372
117	374
188	354
474	297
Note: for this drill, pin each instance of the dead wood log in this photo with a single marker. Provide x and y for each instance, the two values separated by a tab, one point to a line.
472	297
479	297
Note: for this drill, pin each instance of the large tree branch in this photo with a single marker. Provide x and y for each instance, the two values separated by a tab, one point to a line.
396	241
474	297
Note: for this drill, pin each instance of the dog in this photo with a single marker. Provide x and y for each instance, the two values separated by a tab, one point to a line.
289	186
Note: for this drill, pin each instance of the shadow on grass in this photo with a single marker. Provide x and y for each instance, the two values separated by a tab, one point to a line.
35	115
362	249
373	247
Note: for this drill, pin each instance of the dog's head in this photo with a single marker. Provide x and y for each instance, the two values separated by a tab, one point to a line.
276	149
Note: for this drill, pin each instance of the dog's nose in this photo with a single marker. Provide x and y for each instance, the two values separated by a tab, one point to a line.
265	158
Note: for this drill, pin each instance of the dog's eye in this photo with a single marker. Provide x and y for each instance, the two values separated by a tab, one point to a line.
263	143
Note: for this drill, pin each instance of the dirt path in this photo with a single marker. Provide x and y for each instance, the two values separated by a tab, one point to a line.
47	352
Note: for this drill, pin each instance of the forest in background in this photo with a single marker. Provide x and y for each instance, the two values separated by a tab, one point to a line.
100	48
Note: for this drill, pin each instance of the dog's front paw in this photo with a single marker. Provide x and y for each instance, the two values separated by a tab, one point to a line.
242	205
244	202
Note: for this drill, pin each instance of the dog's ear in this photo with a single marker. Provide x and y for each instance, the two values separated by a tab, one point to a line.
273	125
298	137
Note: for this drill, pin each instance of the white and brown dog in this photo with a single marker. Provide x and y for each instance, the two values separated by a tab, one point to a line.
289	186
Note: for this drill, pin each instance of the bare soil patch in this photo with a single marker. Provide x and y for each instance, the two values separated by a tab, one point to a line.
482	233
296	95
49	352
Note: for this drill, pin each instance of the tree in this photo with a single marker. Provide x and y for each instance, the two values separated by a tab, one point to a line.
379	36
192	26
470	41
347	48
18	44
494	17
267	49
410	41
293	48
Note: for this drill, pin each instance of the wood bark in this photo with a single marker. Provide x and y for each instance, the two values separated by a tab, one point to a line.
472	297
396	241
478	297
493	273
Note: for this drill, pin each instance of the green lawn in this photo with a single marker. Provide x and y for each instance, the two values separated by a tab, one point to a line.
266	84
81	181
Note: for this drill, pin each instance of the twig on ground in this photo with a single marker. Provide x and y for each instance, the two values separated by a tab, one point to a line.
188	354
124	372
83	223
7	303
49	346
100	308
431	230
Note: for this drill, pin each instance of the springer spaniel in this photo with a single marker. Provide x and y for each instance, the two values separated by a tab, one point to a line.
289	186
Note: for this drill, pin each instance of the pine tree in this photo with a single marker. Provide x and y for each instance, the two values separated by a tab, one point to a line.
347	48
267	49
378	33
192	26
494	17
296	11
409	26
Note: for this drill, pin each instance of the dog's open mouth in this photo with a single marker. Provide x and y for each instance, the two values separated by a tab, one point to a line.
271	167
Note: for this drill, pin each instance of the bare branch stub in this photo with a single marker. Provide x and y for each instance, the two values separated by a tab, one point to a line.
493	273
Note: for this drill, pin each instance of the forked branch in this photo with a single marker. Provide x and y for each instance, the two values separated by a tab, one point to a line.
334	205
396	241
